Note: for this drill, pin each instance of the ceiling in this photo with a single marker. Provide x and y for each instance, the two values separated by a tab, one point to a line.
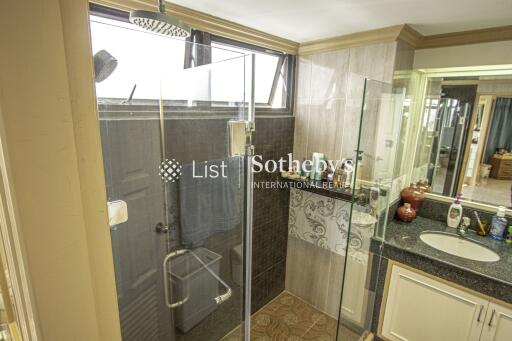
306	20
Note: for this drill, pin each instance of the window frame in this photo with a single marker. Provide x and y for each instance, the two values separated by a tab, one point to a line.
288	60
289	74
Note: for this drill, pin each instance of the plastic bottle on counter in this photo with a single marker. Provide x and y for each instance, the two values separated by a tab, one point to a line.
455	213
498	224
508	240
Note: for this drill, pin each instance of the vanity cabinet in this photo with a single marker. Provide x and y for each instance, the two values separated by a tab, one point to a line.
422	308
498	324
419	308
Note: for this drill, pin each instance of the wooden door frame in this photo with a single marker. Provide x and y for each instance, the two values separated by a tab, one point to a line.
467	147
12	254
485	127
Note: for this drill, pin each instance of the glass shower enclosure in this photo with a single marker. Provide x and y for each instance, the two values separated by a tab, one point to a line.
175	141
376	187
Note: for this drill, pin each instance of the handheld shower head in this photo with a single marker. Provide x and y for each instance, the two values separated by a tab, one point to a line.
159	22
104	65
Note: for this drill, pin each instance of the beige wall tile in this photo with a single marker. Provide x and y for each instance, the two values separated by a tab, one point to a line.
324	117
307	272
373	61
340	124
330	89
357	60
328	112
300	139
336	266
350	131
304	78
404	58
389	66
328	75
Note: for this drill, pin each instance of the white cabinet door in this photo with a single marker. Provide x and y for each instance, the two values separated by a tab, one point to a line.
498	324
419	308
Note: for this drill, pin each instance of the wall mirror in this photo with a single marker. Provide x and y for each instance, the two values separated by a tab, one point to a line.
464	136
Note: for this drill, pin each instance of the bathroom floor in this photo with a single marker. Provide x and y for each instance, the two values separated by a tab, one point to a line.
288	317
495	192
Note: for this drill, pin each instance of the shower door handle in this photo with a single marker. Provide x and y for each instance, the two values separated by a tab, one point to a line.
218	299
161	228
167	258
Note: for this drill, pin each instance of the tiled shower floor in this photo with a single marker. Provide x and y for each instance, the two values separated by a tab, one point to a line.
287	317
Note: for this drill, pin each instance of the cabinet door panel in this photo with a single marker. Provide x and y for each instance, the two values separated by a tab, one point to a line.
419	308
498	324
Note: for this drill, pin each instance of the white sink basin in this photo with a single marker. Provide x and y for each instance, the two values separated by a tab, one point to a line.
460	247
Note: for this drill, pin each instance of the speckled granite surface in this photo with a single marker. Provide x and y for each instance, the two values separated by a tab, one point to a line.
438	210
404	245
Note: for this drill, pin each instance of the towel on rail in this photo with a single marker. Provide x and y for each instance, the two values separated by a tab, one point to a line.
210	205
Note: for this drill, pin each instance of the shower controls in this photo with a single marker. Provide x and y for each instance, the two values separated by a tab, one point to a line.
161	228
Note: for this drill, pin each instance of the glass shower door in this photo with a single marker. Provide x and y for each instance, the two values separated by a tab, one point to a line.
208	204
174	144
374	188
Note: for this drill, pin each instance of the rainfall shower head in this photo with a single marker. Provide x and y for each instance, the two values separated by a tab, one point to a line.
159	22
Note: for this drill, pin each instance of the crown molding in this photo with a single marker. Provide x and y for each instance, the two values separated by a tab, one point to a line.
407	34
209	23
380	35
486	35
410	36
229	29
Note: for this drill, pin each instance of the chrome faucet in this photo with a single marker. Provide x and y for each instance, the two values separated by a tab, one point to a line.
463	227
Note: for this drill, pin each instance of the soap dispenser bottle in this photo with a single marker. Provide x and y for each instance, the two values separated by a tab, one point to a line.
455	213
498	224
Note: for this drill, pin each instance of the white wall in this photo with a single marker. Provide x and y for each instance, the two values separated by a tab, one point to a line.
497	53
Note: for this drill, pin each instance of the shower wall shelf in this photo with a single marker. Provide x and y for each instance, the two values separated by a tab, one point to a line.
319	187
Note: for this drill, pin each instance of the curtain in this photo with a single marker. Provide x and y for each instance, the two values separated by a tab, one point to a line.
500	134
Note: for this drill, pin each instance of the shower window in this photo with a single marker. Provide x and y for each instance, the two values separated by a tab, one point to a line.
271	67
274	70
112	35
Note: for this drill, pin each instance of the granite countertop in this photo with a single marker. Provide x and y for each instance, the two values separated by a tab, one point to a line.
406	236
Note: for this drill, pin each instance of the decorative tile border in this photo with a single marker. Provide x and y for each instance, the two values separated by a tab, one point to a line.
324	222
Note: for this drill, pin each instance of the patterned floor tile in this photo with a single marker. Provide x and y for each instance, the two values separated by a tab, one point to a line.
288	318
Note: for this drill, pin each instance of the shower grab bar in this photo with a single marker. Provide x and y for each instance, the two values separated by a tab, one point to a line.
176	304
218	299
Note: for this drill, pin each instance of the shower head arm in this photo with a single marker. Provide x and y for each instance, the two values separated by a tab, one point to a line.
161	6
160	22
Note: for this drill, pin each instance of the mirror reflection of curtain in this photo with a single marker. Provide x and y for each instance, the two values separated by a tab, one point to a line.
500	134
